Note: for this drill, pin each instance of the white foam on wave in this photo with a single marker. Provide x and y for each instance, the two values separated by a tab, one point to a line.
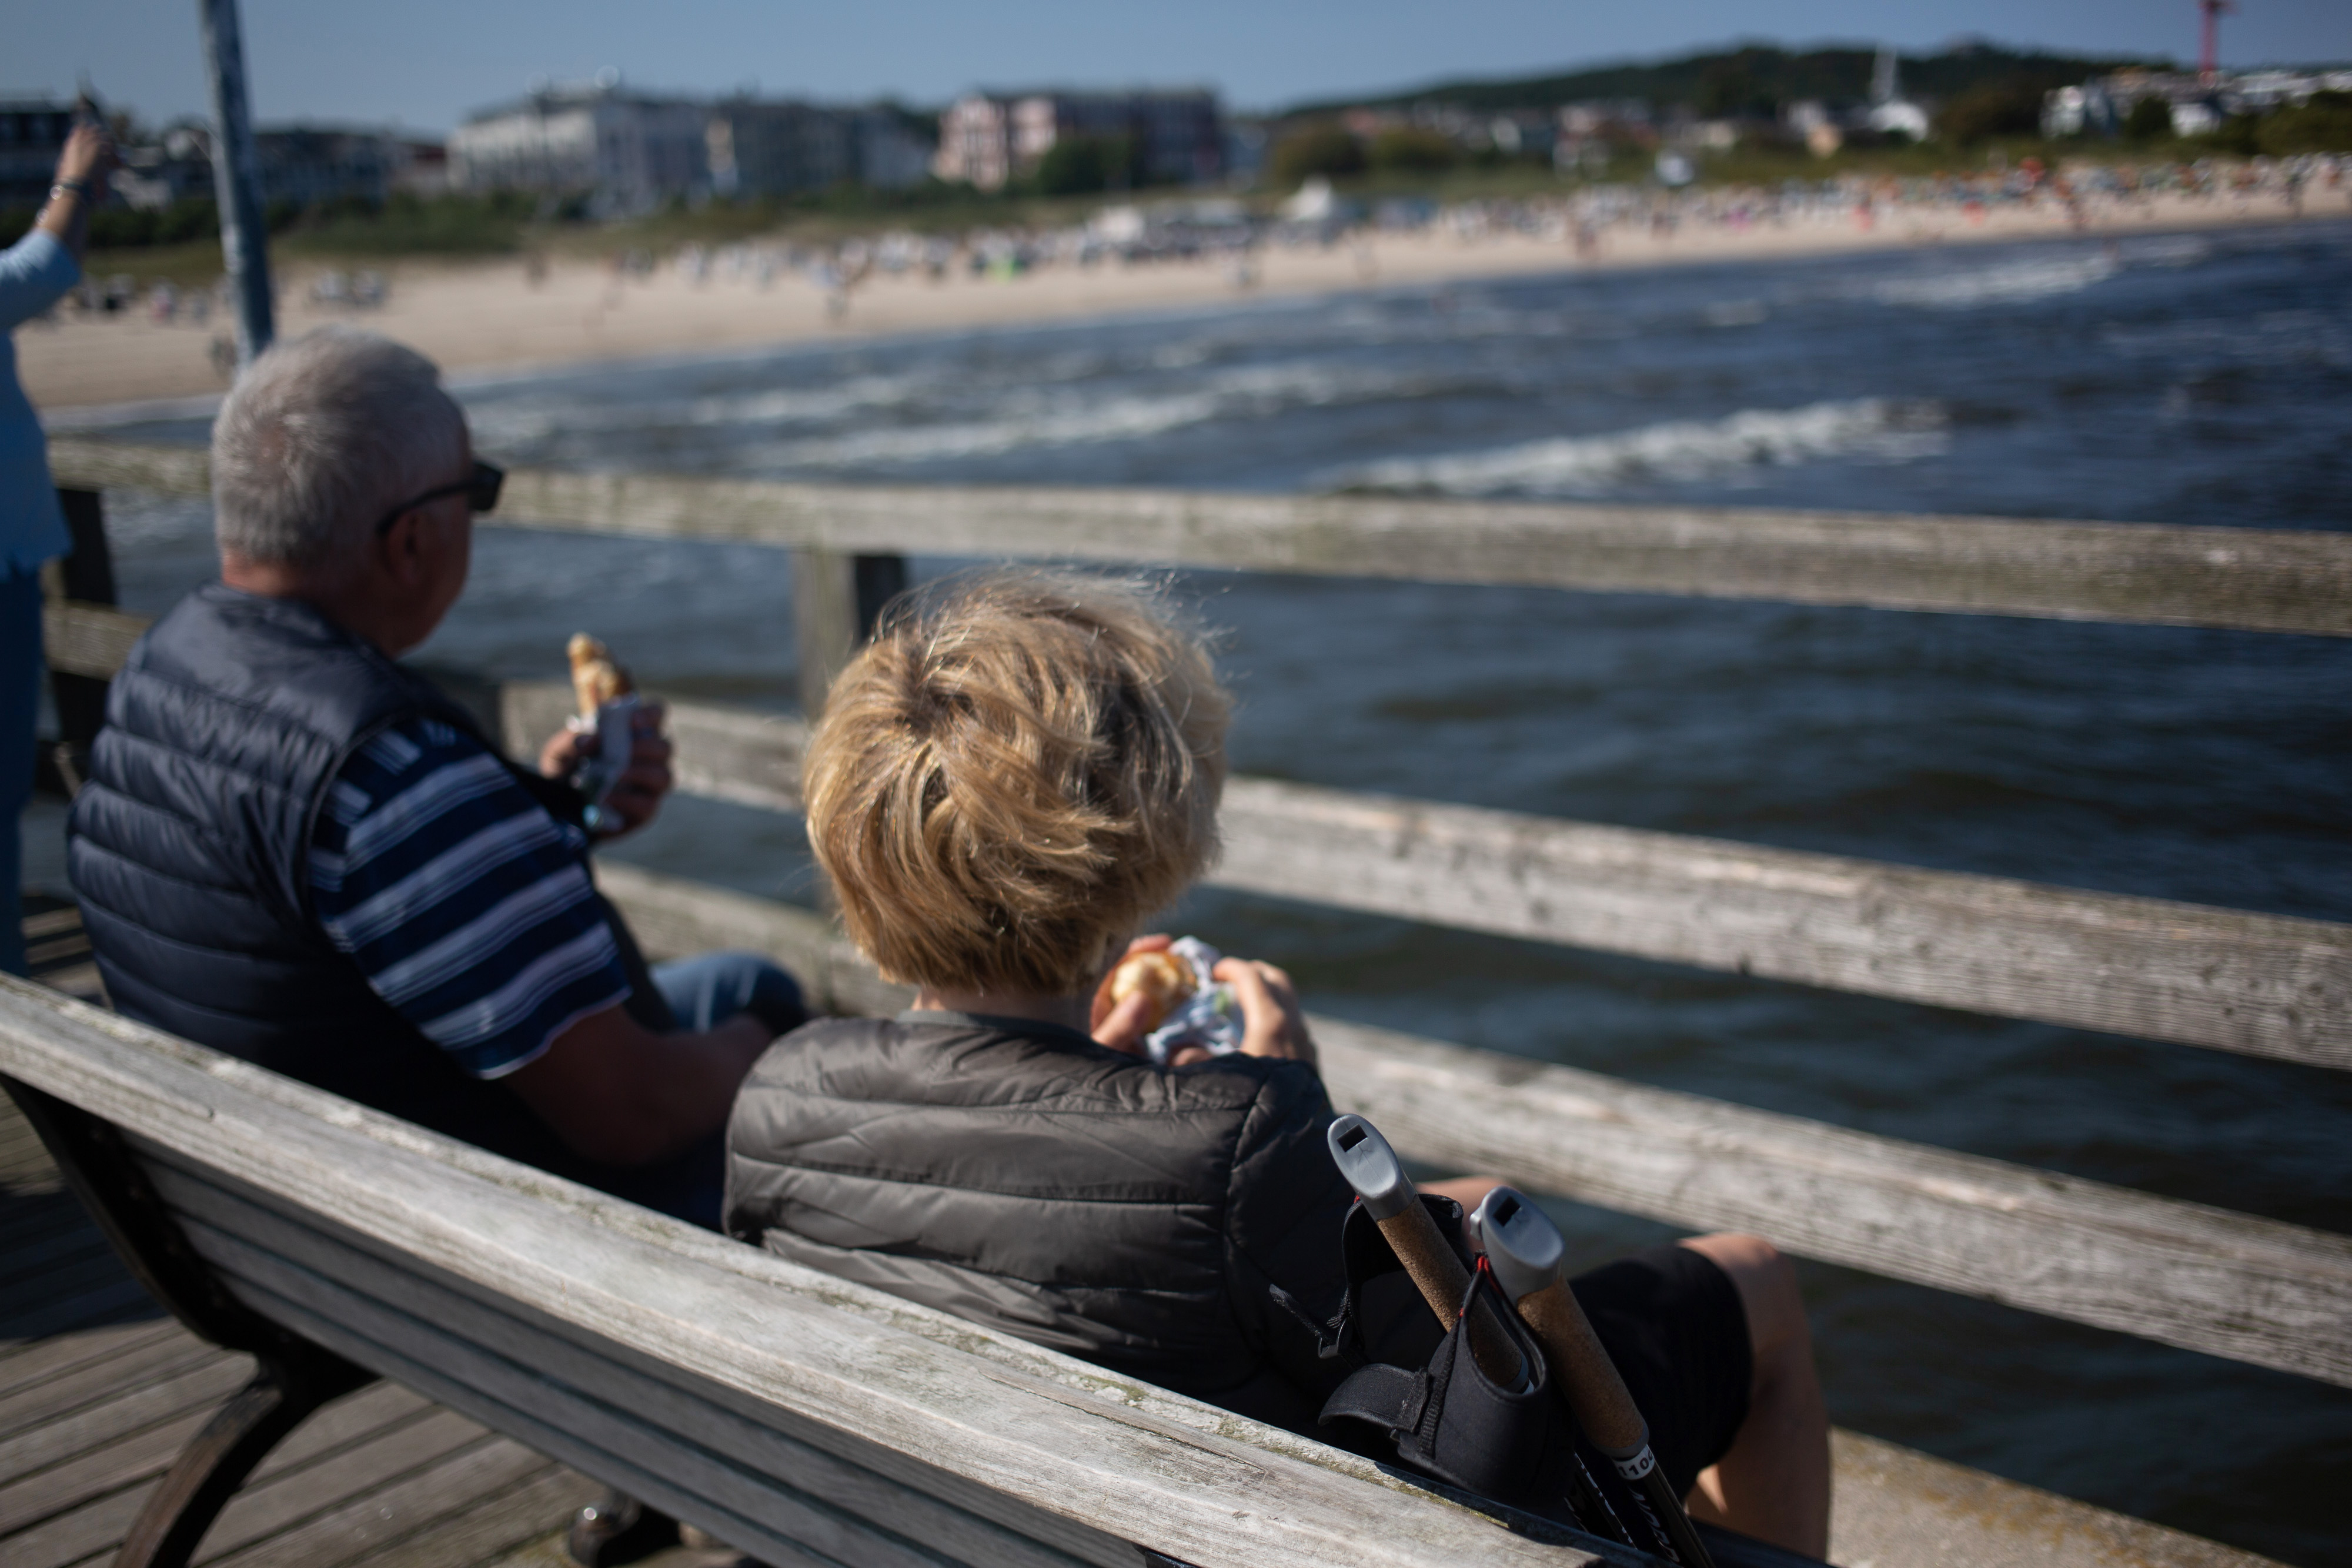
513	421
1879	430
2003	283
1078	415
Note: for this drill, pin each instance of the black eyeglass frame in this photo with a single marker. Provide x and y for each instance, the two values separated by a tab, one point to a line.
480	489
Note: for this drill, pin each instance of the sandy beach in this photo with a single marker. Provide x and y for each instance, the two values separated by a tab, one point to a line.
486	315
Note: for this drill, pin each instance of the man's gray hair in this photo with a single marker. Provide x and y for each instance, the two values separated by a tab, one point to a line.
320	438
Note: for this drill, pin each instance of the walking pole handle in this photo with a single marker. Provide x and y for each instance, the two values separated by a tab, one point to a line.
1525	1251
1372	1168
1595	1388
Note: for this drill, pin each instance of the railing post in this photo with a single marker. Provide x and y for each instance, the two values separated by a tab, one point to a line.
85	575
836	599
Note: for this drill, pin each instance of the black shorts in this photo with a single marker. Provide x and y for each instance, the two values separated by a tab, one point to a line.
1672	1322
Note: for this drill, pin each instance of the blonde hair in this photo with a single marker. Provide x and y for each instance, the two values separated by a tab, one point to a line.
1021	768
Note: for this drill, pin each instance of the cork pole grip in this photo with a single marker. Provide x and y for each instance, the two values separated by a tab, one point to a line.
1587	1379
1432	1265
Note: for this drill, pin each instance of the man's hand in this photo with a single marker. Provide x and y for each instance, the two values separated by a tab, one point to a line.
637	794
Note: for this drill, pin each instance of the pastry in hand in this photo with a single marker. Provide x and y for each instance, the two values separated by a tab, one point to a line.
596	677
1164	977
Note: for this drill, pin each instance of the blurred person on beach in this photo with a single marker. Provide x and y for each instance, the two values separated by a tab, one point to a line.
1022	768
294	849
34	274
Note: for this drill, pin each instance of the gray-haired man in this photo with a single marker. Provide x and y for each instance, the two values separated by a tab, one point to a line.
293	850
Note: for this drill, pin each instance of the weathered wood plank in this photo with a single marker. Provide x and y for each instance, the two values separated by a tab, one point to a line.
2264	580
2253	1290
140	1362
2227	980
1893	1508
357	1470
630	1412
83	462
673	917
2191	974
192	1388
720	752
482	1533
387	1516
1141	1463
2181	1273
88	639
148	1452
23	1369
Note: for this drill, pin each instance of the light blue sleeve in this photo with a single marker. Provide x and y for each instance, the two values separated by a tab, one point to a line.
35	273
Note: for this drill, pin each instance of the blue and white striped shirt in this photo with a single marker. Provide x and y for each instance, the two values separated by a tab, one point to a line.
464	901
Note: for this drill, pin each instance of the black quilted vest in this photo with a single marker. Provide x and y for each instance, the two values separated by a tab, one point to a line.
189	848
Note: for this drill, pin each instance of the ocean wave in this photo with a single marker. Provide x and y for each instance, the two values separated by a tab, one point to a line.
511	422
2004	283
1880	430
1068	417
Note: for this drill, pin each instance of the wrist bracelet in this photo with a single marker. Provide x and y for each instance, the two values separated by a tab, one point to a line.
78	187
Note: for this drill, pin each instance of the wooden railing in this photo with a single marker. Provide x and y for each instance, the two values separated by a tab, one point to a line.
2256	1291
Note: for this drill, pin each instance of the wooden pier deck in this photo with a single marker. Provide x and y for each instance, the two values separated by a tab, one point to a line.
99	1389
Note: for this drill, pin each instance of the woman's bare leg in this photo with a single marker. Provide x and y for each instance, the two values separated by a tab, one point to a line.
1774	1483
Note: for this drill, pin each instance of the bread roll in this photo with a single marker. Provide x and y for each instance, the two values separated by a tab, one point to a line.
1164	977
596	677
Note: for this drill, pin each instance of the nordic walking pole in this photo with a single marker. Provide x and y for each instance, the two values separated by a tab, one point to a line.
1524	1248
1372	1168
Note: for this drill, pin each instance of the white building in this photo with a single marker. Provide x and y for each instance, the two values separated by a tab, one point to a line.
988	139
772	148
626	152
1892	114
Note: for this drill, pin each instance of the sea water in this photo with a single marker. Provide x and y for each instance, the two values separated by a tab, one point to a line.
2195	380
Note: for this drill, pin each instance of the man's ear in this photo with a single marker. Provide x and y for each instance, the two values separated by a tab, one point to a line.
401	548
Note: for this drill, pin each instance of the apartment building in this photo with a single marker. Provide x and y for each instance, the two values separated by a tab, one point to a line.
988	139
628	153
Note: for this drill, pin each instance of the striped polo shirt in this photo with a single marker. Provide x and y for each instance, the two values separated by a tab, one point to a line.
463	900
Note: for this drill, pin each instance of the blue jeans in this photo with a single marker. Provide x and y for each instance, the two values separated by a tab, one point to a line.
704	993
20	706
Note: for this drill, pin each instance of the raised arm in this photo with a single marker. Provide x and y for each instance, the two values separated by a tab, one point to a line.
36	271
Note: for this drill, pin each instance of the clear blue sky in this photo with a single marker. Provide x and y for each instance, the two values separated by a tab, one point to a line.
428	63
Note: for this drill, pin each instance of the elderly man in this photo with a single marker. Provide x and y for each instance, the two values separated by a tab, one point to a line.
295	851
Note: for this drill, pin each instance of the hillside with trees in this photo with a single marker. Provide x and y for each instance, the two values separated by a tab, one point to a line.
1760	79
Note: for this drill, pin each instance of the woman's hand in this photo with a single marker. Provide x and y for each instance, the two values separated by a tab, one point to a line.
1272	1023
637	794
88	156
1121	1028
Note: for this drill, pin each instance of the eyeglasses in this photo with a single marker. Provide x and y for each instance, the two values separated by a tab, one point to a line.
480	489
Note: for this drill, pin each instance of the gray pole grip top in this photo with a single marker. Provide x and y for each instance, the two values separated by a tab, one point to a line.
1524	1248
1372	1168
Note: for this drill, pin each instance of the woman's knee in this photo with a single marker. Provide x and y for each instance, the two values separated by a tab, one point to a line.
1767	1282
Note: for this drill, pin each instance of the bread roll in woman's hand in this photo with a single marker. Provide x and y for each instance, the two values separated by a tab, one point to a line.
596	677
1163	978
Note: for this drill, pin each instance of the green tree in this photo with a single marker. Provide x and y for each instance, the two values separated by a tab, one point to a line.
1325	149
1073	166
2150	120
2323	124
2010	106
1409	150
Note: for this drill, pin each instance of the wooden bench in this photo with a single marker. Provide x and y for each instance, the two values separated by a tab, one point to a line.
801	1418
